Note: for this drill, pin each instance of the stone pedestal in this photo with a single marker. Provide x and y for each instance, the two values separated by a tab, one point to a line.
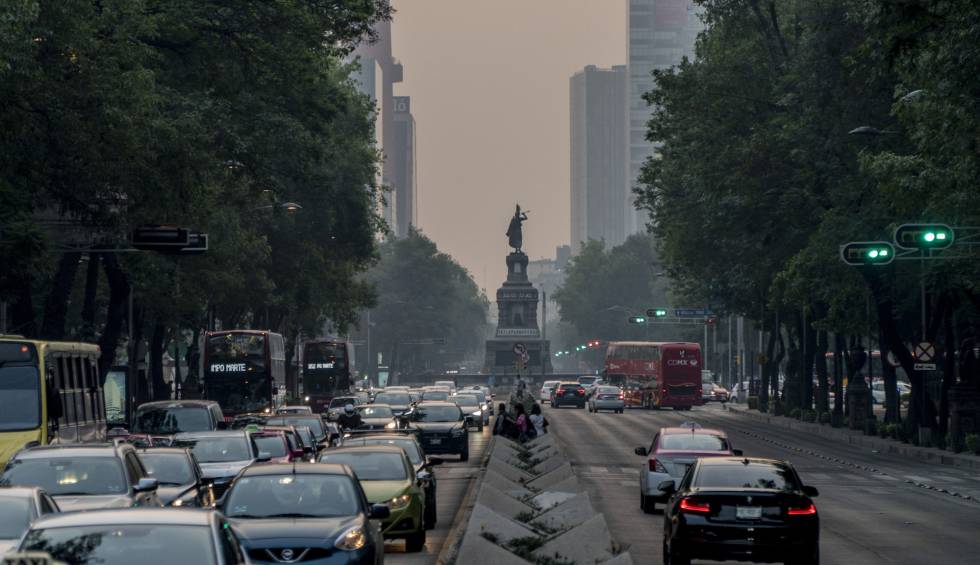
964	412
517	323
859	405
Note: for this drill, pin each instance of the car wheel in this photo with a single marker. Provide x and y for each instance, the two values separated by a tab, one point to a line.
672	556
415	542
647	504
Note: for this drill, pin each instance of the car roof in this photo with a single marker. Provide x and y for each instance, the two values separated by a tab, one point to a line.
129	516
368	435
367	449
694	431
177	404
214	433
182	451
296	469
436	403
75	450
732	461
375	404
20	492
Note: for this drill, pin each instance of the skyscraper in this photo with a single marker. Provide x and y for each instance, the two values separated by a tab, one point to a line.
369	79
598	152
401	161
661	33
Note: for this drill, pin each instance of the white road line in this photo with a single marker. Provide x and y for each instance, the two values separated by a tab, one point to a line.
630	470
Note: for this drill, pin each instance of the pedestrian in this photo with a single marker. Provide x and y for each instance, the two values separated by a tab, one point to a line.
500	420
523	425
538	420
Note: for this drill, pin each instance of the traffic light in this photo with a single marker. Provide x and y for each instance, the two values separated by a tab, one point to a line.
657	312
637	320
924	236
867	253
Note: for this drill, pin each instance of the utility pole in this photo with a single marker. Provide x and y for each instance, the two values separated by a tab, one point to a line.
3	317
729	349
544	320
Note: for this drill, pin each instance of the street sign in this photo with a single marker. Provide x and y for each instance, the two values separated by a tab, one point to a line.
153	238
924	236
691	312
925	366
867	253
925	352
892	360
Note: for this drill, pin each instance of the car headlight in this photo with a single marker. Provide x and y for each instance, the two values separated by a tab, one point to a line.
178	502
478	413
352	540
391	426
400	502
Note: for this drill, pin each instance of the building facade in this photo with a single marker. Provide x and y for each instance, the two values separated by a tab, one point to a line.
401	165
599	195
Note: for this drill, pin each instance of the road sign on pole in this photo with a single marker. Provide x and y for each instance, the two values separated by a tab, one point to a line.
925	366
691	312
925	352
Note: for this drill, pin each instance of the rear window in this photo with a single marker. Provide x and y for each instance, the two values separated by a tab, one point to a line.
571	386
693	442
608	390
753	475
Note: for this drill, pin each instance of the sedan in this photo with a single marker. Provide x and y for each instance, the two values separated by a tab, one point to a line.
568	393
400	401
19	506
221	455
180	480
741	509
388	477
607	398
307	512
474	409
146	536
544	395
441	428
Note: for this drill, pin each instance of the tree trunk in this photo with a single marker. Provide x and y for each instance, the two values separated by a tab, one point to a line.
56	306
839	346
115	313
88	302
192	384
158	342
820	358
949	370
767	369
889	380
21	311
292	374
806	374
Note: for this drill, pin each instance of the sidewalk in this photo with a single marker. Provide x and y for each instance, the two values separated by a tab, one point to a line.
855	437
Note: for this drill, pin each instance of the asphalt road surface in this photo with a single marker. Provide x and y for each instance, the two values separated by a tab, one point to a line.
452	481
873	507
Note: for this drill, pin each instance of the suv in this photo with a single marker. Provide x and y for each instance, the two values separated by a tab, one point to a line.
85	476
441	428
170	417
568	393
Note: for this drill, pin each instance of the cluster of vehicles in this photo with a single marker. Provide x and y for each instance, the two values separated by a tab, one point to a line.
196	481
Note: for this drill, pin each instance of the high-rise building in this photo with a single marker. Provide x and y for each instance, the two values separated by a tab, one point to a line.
598	152
369	79
401	166
661	33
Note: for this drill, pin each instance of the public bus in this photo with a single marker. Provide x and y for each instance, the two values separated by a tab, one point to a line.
655	374
327	371
50	393
245	371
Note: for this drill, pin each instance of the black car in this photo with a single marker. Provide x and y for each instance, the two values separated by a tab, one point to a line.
314	513
84	476
440	427
179	476
568	393
423	464
170	417
316	424
744	509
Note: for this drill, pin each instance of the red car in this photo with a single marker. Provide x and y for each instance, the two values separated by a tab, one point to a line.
274	445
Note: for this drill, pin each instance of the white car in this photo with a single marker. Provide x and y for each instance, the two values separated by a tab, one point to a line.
451	385
544	395
878	390
607	398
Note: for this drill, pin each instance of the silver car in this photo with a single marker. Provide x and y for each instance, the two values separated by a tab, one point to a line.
19	506
607	397
546	389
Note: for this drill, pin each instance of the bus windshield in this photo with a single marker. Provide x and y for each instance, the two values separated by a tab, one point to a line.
325	368
20	392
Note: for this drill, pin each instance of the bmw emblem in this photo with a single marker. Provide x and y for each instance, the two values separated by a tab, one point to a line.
287	554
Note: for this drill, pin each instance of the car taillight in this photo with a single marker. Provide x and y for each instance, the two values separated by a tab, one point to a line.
580	391
656	466
806	511
688	505
559	392
621	397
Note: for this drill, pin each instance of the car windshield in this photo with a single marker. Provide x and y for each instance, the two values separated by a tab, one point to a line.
314	495
436	395
409	445
342	401
608	390
549	384
437	414
587	380
217	449
274	446
15	517
376	411
124	544
20	405
741	475
395	398
370	466
571	386
314	422
693	442
170	469
62	476
172	420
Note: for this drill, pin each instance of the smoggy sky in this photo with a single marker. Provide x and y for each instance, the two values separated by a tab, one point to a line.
489	87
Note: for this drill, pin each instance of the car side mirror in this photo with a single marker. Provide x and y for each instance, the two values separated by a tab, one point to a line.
810	491
423	475
146	485
433	461
737	452
264	457
380	512
667	487
640	451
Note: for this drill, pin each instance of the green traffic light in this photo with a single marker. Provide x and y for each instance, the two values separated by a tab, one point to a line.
929	236
873	253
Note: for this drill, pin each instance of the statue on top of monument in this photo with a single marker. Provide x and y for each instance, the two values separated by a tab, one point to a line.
515	234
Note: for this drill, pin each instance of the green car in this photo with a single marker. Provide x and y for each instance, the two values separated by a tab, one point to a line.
388	477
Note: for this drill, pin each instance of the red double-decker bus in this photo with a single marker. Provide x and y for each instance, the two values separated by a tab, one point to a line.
655	374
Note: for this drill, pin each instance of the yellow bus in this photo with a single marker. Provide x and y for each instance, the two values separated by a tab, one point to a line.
49	393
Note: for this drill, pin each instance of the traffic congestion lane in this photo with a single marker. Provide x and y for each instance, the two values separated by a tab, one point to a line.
865	518
453	479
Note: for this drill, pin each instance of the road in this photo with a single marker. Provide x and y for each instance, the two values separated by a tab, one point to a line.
453	479
871	509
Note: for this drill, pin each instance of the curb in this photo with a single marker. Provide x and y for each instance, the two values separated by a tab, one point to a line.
926	454
450	549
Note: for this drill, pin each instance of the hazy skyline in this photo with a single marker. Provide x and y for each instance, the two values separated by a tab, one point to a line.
489	82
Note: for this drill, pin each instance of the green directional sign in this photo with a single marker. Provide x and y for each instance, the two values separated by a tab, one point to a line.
924	236
867	253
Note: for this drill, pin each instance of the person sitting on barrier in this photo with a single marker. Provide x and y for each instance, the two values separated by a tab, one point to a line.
538	421
523	425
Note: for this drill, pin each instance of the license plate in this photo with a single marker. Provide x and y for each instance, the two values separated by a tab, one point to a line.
435	441
748	512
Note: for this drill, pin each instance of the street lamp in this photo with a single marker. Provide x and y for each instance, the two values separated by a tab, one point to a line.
871	131
289	207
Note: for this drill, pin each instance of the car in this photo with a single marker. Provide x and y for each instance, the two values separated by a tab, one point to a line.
878	390
451	385
315	423
148	536
294	410
473	408
171	417
85	476
310	446
589	383
388	477
275	444
713	392
437	394
297	446
607	398
544	395
735	508
377	417
19	506
221	455
568	393
307	512
399	401
441	428
337	404
672	452
180	479
423	464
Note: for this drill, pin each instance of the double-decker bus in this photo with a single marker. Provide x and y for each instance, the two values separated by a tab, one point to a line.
655	374
244	370
50	392
327	371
